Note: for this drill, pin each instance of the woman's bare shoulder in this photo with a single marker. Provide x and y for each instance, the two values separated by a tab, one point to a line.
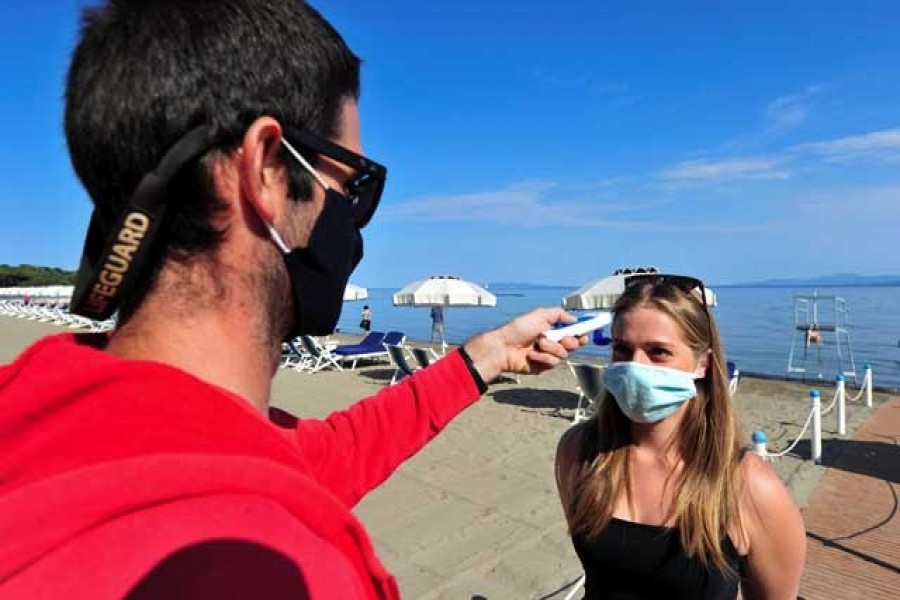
761	484
766	503
776	534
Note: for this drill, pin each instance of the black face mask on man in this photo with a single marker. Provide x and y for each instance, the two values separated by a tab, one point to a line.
319	272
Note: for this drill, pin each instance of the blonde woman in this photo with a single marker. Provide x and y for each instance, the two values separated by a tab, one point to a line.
660	499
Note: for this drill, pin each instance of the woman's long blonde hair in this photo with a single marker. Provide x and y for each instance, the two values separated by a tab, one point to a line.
706	490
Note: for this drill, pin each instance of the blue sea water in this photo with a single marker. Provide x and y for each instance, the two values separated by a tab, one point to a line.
756	324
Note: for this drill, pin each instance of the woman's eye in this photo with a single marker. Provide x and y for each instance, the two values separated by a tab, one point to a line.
661	352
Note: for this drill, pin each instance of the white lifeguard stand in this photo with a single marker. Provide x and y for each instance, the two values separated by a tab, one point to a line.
820	322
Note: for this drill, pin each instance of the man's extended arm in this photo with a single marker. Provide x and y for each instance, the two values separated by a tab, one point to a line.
354	450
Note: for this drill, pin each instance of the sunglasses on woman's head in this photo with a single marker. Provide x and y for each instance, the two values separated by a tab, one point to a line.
686	284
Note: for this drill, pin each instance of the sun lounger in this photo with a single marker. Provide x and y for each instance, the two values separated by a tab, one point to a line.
424	356
293	357
590	387
394	338
370	347
734	376
320	357
399	359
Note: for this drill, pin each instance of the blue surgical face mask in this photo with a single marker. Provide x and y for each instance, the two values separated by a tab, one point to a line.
647	394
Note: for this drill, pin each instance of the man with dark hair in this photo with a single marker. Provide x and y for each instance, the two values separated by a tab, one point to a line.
219	142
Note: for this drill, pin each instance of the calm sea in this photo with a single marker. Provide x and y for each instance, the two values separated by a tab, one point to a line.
756	325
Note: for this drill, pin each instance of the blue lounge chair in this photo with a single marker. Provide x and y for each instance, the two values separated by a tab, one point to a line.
394	338
369	347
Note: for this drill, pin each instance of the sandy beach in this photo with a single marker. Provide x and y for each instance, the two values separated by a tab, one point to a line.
475	514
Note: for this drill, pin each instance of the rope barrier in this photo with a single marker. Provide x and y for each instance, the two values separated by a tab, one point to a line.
862	387
796	441
825	411
815	417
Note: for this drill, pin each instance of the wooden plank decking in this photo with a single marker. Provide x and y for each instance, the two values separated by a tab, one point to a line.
853	519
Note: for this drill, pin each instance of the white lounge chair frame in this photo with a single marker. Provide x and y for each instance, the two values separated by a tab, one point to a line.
320	357
589	378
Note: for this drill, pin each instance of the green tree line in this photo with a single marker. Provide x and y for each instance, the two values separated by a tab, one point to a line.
31	275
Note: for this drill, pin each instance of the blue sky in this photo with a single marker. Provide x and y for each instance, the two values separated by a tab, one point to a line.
552	143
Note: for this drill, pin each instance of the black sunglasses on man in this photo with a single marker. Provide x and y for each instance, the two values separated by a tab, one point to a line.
363	189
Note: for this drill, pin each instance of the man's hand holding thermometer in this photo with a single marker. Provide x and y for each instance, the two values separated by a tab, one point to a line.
530	343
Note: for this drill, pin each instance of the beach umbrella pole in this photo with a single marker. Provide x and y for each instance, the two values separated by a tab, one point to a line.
444	333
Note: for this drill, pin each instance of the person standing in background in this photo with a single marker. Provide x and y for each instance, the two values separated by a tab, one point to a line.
437	323
365	319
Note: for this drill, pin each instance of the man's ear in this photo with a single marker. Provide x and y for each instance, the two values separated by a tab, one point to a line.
262	176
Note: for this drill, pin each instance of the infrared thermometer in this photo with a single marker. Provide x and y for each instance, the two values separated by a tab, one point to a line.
583	325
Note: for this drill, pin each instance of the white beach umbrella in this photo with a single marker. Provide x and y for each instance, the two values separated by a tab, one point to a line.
444	290
355	292
603	293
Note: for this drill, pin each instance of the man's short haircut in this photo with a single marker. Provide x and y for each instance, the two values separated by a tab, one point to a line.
145	72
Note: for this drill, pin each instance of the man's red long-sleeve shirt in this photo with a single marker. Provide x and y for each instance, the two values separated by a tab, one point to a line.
121	476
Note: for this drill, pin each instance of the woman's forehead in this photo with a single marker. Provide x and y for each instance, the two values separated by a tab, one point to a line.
644	323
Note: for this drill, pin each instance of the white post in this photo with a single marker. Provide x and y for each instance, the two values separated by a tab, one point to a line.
443	331
816	441
868	384
841	412
759	444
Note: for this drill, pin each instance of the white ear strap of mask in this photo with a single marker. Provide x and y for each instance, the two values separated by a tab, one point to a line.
274	234
277	239
305	163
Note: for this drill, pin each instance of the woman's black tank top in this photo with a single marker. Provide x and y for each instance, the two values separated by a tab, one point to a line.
628	561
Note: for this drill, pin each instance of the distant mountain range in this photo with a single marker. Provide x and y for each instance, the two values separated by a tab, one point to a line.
837	279
834	280
505	285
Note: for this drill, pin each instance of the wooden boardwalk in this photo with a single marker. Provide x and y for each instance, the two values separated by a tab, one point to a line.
853	519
